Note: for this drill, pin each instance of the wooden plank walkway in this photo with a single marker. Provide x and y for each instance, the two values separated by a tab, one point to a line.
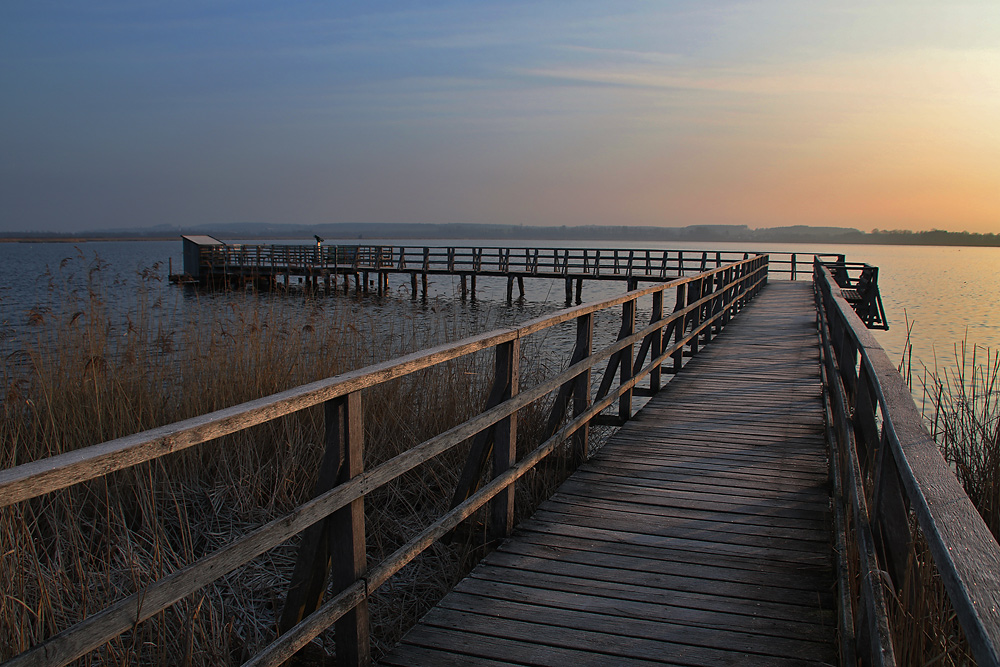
700	535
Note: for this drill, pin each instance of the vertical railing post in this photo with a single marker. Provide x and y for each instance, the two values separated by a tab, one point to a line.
679	327
625	370
581	391
507	372
335	547
693	295
656	344
727	296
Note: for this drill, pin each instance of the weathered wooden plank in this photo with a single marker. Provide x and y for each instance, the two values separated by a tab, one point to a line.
681	609
645	527
725	521
715	549
512	648
722	486
698	468
762	585
603	619
608	490
611	646
799	620
419	656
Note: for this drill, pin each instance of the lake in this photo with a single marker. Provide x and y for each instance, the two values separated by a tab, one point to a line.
947	294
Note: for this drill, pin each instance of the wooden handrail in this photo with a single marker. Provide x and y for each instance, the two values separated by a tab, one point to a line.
649	264
722	292
883	433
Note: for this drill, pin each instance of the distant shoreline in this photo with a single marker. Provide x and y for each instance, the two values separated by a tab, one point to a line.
82	239
369	233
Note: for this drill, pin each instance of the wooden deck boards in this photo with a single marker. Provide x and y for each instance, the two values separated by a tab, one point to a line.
699	535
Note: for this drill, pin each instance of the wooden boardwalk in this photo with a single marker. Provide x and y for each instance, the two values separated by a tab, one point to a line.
699	535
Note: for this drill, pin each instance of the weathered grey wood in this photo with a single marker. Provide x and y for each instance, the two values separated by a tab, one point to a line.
964	551
645	604
656	341
318	545
581	391
625	361
639	523
508	363
346	535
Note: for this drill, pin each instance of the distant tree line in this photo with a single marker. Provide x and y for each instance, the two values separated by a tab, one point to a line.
514	233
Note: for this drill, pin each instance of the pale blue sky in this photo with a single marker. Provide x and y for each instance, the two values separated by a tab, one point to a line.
119	114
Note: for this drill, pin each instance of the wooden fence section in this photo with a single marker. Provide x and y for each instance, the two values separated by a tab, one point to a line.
700	535
702	305
893	486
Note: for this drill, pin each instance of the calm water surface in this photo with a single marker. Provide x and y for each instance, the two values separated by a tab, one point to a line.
947	294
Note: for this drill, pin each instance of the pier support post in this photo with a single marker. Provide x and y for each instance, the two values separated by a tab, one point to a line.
510	289
507	365
581	392
465	287
335	547
679	328
472	286
569	291
423	287
695	290
413	286
625	370
365	289
579	291
656	344
520	287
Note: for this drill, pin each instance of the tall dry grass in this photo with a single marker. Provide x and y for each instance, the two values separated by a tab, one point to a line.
965	422
961	403
85	372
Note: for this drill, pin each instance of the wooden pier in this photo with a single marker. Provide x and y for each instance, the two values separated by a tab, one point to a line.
701	534
208	261
764	507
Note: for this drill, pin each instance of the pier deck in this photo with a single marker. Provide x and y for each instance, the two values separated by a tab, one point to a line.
699	535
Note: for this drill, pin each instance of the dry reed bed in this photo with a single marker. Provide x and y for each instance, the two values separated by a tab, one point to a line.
961	403
83	374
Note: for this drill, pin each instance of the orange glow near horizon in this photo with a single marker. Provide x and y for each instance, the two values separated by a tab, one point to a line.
769	113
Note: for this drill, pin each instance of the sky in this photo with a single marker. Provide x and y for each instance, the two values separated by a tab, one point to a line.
836	113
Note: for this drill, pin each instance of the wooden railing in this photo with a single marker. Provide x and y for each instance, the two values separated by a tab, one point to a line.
594	263
704	303
890	482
